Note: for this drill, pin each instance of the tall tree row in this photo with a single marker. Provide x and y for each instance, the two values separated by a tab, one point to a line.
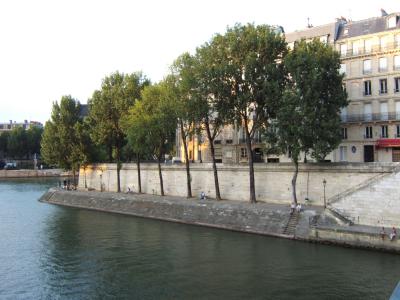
107	109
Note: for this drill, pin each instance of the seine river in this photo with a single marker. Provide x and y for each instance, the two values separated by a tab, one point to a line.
51	252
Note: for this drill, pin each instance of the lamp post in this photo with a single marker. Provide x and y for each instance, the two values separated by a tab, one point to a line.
324	183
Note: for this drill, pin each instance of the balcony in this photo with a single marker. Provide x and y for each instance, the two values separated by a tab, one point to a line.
357	118
367	51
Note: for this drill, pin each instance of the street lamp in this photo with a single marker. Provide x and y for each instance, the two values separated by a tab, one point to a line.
324	183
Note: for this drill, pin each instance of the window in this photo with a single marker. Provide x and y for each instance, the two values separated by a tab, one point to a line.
368	112
342	68
343	114
356	46
229	141
397	110
384	111
343	49
368	46
243	152
384	131
383	86
397	40
382	64
217	142
343	153
367	88
396	84
398	131
383	43
344	133
391	22
368	132
367	66
396	62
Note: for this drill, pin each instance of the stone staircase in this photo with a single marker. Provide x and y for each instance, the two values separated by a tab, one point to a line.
290	227
362	185
375	202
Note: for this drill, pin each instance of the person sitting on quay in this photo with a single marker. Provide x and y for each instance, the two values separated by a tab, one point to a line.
393	234
203	196
292	208
298	207
383	233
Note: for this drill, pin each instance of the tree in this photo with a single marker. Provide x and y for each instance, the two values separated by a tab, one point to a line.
107	109
17	143
34	137
60	145
183	81
4	143
308	118
247	79
136	125
159	109
195	80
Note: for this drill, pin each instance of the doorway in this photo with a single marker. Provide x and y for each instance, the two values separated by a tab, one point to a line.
396	154
368	153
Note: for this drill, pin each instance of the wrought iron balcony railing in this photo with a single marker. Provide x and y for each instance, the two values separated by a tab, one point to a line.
370	50
356	118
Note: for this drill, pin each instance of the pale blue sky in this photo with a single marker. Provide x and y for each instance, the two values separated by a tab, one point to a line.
50	48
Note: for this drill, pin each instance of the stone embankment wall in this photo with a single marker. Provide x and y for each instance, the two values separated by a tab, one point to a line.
232	215
32	173
273	181
261	218
375	204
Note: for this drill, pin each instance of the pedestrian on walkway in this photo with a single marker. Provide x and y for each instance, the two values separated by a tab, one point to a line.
383	233
393	234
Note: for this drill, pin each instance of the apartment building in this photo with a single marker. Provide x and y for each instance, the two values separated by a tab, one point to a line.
8	126
370	54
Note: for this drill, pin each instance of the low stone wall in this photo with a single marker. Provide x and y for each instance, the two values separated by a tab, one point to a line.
354	238
260	218
32	173
273	181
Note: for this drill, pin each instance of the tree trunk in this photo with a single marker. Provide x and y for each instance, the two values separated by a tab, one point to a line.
251	165
189	187
117	154
84	170
73	177
294	180
138	173
110	159
216	183
160	175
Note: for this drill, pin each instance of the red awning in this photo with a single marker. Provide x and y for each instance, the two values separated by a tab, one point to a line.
387	143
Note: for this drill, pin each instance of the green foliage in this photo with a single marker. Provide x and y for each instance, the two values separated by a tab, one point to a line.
109	105
61	142
17	143
4	143
247	78
308	119
34	137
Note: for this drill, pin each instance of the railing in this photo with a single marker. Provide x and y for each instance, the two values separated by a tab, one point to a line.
373	49
354	118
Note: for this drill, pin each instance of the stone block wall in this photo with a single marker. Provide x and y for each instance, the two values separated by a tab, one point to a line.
273	181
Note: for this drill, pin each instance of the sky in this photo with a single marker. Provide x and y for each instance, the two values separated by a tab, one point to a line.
51	48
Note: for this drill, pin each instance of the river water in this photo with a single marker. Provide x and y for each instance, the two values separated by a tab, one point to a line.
52	252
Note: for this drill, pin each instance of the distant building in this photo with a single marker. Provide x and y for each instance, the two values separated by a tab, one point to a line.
13	124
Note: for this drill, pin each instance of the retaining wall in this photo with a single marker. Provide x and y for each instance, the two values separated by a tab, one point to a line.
273	181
